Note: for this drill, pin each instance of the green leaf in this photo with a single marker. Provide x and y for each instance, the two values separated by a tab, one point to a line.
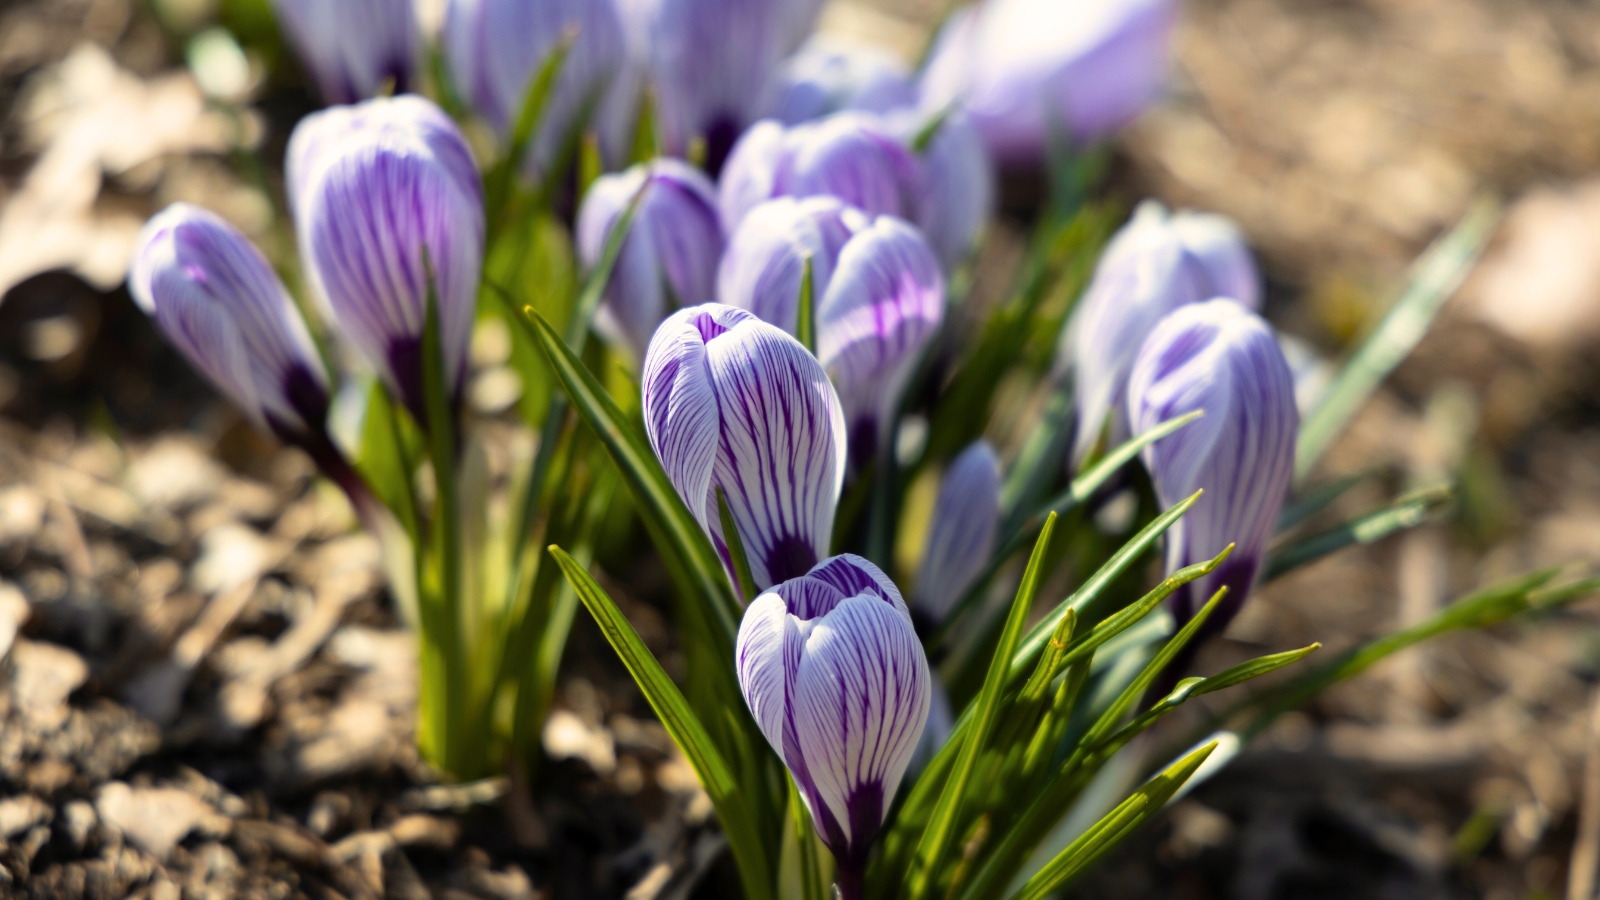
1435	277
1480	609
947	813
686	729
1407	511
658	502
741	562
447	702
1034	643
389	449
500	182
1317	500
805	326
1255	668
1113	827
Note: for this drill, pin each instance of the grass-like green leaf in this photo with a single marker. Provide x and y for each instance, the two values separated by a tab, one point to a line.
690	551
1032	645
1317	500
686	729
1480	609
947	812
500	182
805	324
1407	511
1436	276
1113	827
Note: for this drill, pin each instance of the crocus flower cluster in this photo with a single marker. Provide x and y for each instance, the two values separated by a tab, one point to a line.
1033	73
1219	357
1157	263
353	48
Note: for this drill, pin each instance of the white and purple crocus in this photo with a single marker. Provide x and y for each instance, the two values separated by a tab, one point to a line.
834	675
496	47
1033	73
353	48
670	255
961	534
1219	357
1155	264
382	193
733	404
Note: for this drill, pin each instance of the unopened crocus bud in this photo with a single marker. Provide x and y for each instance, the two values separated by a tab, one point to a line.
495	49
219	302
764	267
829	76
734	404
961	534
883	303
836	679
382	203
1153	265
1222	358
313	140
1032	71
711	64
958	179
669	256
353	48
854	156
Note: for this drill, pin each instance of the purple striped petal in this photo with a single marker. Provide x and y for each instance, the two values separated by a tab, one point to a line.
828	76
731	402
380	200
1153	265
218	300
669	258
765	262
840	686
1026	69
884	302
961	538
850	155
1220	357
353	47
317	135
495	48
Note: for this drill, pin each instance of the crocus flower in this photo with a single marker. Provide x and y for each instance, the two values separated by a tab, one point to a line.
1153	265
381	204
353	47
669	257
835	677
961	535
219	302
854	156
765	262
883	303
829	76
733	403
314	138
712	62
496	47
1029	71
958	179
1220	357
